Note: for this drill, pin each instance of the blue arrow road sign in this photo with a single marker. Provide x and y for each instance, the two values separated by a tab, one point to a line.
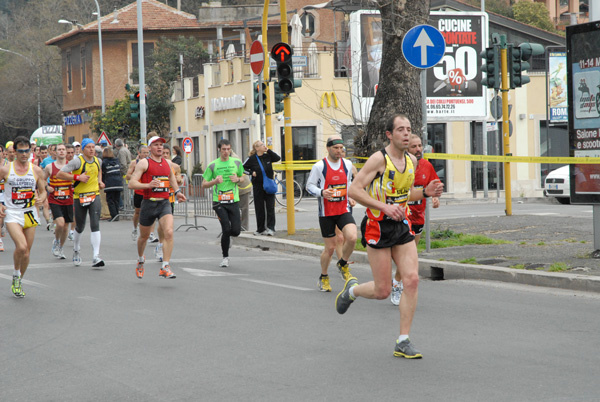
423	46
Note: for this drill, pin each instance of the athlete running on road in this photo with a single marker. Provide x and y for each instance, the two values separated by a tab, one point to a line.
154	175
389	177
21	181
224	174
329	181
60	199
70	156
138	195
86	174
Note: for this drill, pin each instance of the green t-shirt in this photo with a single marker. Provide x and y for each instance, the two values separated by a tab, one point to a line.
226	192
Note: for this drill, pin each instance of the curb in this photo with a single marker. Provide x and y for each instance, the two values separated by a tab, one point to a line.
440	270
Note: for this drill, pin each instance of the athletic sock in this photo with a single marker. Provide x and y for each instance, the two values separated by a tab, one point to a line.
342	262
95	237
76	241
351	291
402	338
17	273
324	276
165	263
141	259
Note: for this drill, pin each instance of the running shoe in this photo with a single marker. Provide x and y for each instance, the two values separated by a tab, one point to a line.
61	254
76	258
139	269
166	272
71	235
343	299
48	225
97	262
323	284
224	263
407	350
396	294
16	287
269	232
134	234
152	238
55	247
1	245
257	233
158	252
344	270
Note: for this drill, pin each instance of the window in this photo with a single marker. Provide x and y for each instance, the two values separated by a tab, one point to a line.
148	50
82	61
231	134
69	75
195	87
436	141
308	24
304	148
494	147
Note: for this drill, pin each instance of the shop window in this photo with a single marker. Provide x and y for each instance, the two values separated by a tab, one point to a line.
494	147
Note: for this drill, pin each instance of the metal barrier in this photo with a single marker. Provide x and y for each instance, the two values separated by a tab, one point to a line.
128	208
202	201
182	208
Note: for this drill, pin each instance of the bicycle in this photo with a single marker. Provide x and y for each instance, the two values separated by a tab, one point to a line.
281	191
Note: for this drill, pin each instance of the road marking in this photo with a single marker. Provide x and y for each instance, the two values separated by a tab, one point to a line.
544	213
274	284
204	272
25	281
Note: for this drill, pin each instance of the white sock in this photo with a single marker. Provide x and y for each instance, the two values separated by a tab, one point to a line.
351	291
395	282
141	259
95	237
165	263
402	338
17	273
76	241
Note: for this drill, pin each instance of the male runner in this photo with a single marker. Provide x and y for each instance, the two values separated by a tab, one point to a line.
329	181
22	180
60	199
424	174
3	162
86	174
10	152
138	195
389	176
224	174
154	175
70	156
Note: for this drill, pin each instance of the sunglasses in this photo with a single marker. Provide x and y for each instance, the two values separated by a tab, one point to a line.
24	151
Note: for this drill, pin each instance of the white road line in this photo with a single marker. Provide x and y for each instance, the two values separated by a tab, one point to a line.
25	281
204	272
274	284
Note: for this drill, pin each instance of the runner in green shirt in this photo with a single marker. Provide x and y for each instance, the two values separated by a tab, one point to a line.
224	174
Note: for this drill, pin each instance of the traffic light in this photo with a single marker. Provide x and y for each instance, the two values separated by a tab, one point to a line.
134	105
518	62
282	53
279	96
258	99
491	67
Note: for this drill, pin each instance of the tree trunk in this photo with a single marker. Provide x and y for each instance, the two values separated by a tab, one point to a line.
399	89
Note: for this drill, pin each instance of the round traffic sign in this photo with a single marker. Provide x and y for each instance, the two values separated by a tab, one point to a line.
423	46
188	145
257	57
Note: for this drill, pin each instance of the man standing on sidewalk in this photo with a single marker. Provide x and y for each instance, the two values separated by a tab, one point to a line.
154	176
389	176
424	174
329	181
60	199
24	185
224	174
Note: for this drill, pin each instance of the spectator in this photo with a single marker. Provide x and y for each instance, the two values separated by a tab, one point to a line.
77	146
111	176
123	155
177	158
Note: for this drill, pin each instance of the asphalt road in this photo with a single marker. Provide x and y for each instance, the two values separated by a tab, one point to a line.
260	331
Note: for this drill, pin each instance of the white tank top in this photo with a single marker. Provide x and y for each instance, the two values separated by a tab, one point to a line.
19	191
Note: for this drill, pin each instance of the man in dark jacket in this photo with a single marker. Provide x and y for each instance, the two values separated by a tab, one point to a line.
111	176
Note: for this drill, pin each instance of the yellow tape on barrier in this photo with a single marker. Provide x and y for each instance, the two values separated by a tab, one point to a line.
525	159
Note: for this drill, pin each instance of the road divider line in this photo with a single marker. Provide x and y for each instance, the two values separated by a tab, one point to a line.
25	281
274	284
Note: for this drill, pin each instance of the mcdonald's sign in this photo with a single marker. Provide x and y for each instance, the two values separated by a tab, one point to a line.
327	98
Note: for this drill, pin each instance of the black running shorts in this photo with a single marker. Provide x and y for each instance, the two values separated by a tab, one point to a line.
385	233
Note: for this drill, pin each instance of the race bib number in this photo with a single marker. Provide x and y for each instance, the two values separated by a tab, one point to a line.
226	197
164	185
339	192
86	199
396	199
22	197
1	187
62	193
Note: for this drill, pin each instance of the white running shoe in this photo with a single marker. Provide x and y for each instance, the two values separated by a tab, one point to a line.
97	262
61	254
76	258
224	263
55	247
134	235
396	294
71	235
158	252
152	238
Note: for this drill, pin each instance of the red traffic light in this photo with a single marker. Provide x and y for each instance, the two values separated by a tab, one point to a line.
282	52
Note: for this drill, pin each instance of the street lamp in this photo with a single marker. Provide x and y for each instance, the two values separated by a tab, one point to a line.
75	23
38	82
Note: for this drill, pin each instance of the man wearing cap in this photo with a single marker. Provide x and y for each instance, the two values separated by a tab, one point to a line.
77	146
86	174
329	181
154	175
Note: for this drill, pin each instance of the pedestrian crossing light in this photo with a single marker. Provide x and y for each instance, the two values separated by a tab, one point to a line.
491	67
518	62
260	98
134	105
282	53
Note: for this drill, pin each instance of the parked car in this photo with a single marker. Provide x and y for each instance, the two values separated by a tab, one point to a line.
557	184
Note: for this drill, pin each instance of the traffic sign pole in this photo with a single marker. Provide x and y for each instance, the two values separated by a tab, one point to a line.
505	124
260	105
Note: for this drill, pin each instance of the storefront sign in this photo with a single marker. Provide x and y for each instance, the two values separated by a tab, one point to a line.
73	120
233	102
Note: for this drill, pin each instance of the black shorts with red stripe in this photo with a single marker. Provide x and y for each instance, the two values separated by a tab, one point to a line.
385	233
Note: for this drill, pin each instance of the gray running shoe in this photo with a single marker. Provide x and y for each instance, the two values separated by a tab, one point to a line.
76	258
97	262
343	299
396	294
134	235
406	349
70	236
55	247
269	232
61	254
158	252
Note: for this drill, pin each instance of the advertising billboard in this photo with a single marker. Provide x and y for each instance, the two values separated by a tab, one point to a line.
557	82
583	76
454	90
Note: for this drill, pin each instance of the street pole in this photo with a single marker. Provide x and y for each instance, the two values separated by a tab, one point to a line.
266	71
505	124
142	77
39	115
101	58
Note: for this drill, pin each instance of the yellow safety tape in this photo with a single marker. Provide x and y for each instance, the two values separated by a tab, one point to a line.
525	159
